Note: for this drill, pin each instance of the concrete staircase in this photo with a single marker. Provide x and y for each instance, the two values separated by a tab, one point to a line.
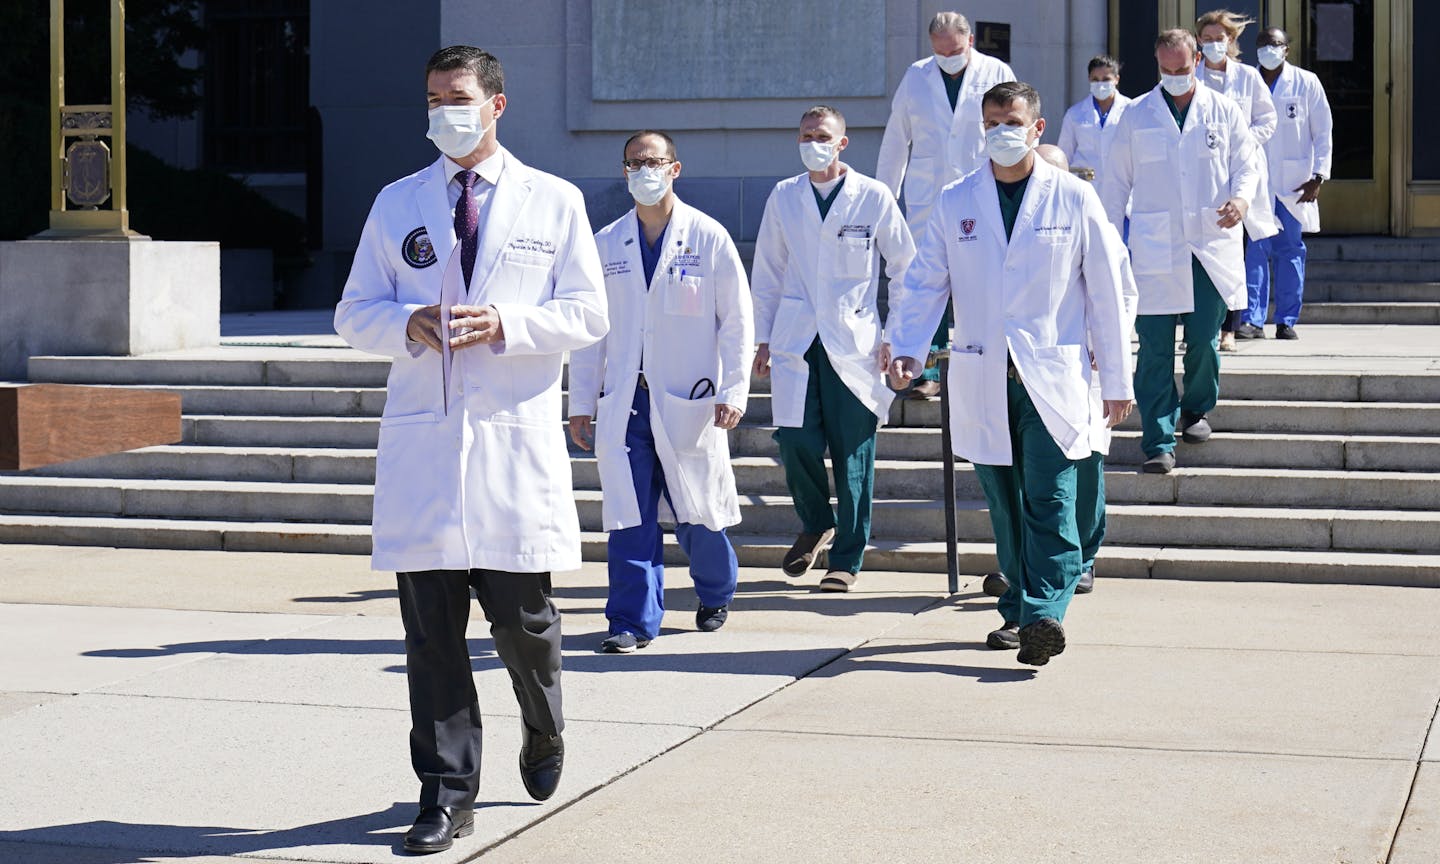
1372	280
1325	465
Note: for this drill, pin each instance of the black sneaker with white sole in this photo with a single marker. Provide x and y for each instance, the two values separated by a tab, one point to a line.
711	618
622	643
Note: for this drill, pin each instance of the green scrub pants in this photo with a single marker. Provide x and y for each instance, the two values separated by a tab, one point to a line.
1032	510
1090	507
836	420
1159	402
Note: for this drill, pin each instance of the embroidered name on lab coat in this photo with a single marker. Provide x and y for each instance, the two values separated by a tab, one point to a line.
1059	231
685	260
533	245
617	268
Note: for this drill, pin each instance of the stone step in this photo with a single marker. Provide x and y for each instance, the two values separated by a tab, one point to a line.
1237	451
1317	291
1126	524
1418	269
1370	313
757	478
1380	490
1224	450
1116	561
346	369
1271	417
1372	248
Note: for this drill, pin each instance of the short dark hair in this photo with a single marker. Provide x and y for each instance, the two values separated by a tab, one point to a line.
1103	61
823	111
482	64
647	133
1006	92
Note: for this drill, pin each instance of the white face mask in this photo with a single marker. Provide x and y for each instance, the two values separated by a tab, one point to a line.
952	65
456	129
1102	90
1177	85
817	155
1216	51
648	185
1007	145
1271	56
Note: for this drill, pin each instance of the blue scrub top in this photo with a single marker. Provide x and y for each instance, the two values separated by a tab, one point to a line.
650	255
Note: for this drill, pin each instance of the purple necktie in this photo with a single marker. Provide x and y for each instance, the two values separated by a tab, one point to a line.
467	218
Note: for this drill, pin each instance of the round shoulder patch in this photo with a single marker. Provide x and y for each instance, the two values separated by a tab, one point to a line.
416	250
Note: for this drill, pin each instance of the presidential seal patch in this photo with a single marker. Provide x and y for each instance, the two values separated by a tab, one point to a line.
416	250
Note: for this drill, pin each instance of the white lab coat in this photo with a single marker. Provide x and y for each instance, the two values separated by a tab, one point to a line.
1058	283
926	144
1244	85
1100	431
485	482
691	326
1083	139
1175	184
820	278
1302	143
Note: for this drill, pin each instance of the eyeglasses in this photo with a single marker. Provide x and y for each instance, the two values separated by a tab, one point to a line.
654	162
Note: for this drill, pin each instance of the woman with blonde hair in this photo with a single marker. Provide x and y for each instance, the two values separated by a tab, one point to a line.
1218	33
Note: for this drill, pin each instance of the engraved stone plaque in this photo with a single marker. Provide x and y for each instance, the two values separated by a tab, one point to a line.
740	49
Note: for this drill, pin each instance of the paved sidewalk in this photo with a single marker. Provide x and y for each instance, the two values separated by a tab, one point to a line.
195	706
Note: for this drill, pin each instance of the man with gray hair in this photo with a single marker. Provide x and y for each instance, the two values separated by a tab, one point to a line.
933	136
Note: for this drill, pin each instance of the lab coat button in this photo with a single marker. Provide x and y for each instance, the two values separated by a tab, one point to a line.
627	449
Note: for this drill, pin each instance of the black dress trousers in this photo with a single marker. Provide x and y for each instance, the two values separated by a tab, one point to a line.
445	734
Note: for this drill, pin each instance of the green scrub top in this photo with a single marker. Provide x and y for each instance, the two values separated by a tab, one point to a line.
827	200
1175	109
952	85
1011	194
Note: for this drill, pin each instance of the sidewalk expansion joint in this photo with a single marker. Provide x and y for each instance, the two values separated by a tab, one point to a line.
1414	780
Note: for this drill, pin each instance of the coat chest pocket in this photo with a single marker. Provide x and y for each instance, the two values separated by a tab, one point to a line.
522	277
685	296
855	257
1151	145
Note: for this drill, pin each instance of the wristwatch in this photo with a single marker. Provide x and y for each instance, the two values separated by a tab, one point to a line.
1320	177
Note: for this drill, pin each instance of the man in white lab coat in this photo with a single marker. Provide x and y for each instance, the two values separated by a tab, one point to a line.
1298	158
1089	123
817	322
474	275
933	135
1022	251
1184	160
675	373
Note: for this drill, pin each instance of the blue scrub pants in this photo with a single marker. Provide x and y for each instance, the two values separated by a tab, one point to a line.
637	555
1285	252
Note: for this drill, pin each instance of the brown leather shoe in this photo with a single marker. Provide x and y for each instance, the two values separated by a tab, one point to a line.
807	548
923	390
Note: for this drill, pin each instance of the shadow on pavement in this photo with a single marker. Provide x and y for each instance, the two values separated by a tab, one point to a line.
105	842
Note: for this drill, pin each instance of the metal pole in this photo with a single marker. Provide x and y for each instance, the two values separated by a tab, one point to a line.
952	555
57	101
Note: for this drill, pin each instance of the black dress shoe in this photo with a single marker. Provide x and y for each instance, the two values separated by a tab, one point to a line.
1086	583
542	757
1007	638
995	584
436	828
1285	331
1194	428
